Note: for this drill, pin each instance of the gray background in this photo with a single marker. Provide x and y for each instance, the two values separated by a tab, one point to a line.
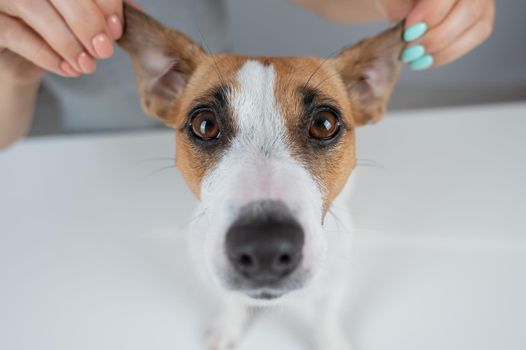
494	72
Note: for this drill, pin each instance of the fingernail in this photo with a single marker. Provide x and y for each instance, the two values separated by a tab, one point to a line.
415	31
102	45
68	70
115	25
87	63
422	63
413	53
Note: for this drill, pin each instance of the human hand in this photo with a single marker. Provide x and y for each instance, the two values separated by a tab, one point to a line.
60	36
441	31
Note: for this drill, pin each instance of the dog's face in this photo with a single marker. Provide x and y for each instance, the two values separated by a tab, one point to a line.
266	144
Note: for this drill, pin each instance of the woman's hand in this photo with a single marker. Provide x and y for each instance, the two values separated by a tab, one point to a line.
441	31
60	36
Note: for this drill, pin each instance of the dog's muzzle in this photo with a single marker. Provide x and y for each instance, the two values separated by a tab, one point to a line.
264	245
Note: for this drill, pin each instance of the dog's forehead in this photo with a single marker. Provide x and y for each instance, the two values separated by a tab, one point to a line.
285	76
265	100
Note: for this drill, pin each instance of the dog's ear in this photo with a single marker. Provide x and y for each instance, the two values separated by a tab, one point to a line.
369	71
164	61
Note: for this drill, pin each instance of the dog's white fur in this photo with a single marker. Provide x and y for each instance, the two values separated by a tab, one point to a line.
258	165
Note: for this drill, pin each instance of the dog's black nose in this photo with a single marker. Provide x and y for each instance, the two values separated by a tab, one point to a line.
265	243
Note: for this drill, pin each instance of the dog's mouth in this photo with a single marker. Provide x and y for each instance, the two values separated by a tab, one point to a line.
269	293
265	295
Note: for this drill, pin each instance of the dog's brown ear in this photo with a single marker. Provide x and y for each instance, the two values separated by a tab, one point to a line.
164	61
369	71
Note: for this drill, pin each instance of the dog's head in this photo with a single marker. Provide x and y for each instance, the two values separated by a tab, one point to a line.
265	143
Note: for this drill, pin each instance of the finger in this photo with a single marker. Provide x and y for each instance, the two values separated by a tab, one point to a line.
112	11
462	17
22	40
467	42
88	24
431	12
395	10
46	21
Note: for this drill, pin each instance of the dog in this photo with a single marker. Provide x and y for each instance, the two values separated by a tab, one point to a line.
267	145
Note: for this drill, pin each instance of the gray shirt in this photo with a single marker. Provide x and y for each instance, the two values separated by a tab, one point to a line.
108	99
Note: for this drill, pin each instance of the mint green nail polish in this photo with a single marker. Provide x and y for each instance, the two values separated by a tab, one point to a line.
422	63
413	53
415	31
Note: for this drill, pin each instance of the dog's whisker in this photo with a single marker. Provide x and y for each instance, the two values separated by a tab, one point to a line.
369	163
158	171
156	158
370	166
346	232
334	53
367	160
216	66
193	219
320	84
151	160
336	218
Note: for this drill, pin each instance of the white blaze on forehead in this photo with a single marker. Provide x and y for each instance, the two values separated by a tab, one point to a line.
255	108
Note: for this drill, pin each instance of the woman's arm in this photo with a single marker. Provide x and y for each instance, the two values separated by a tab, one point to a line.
19	83
17	104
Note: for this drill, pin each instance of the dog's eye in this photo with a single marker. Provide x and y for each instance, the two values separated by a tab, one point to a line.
205	125
324	126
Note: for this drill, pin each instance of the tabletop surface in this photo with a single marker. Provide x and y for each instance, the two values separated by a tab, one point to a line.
93	255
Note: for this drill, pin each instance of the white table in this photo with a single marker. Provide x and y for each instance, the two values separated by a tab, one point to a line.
92	254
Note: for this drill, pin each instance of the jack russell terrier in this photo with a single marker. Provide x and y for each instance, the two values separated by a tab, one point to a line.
267	145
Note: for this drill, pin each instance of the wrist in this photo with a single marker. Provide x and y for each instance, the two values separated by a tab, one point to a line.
15	83
17	103
17	72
